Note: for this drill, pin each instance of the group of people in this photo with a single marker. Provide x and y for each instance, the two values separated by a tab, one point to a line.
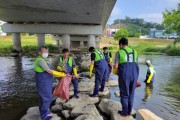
125	66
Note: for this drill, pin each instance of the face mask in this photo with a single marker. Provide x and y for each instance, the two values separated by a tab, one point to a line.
45	55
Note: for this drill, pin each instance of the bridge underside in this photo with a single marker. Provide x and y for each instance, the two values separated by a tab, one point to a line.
57	17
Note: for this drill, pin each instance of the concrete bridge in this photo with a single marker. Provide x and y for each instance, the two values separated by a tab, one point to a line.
77	22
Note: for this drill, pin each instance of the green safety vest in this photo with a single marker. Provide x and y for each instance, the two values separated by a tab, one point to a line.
148	71
127	55
37	68
70	61
98	55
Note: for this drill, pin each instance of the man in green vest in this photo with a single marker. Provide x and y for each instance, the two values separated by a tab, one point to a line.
128	71
44	77
150	73
108	58
67	65
101	70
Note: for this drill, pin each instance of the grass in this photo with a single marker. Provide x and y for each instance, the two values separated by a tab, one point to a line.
146	46
28	43
142	46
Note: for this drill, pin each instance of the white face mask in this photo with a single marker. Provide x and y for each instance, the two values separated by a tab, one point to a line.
45	55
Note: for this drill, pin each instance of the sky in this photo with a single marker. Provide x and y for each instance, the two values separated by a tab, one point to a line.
149	10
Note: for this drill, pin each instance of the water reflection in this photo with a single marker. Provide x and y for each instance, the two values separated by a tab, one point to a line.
148	92
17	87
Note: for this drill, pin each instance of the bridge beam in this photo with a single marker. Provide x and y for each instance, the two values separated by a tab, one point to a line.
72	29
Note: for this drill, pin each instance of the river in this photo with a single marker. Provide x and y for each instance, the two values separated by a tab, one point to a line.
18	90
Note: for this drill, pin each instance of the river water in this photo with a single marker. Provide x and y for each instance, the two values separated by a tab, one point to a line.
18	90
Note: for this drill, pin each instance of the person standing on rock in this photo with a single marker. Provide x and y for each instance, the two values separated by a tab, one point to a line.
101	70
108	58
44	77
126	67
67	65
150	73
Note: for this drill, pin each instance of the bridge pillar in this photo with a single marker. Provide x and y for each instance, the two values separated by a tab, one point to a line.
16	41
41	40
81	43
66	41
57	42
97	41
91	41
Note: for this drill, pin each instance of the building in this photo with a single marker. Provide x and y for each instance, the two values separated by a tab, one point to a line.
154	33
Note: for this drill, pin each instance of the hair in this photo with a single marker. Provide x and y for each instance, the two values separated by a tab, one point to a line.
123	41
105	48
65	50
91	49
40	48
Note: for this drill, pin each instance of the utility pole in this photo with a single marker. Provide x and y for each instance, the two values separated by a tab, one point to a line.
119	23
140	31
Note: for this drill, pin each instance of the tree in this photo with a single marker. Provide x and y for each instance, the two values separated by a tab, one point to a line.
171	20
121	33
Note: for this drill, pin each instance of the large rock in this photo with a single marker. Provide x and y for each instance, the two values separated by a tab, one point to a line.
83	100
84	86
89	117
33	114
112	83
84	110
60	101
56	108
66	113
111	108
148	115
104	93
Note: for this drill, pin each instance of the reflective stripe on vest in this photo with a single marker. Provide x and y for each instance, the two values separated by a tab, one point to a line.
37	68
98	55
127	55
70	62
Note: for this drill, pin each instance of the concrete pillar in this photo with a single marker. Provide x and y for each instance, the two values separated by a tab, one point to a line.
41	40
66	41
16	41
91	41
97	42
81	43
57	42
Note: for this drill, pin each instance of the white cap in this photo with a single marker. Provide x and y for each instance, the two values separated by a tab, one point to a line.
148	62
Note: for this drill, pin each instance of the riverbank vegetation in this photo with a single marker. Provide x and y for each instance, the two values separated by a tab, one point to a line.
143	46
146	46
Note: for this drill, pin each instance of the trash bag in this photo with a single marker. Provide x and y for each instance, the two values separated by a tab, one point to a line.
62	89
138	84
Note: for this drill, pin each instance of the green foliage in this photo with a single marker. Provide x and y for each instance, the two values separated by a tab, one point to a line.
121	33
171	20
176	41
134	25
173	51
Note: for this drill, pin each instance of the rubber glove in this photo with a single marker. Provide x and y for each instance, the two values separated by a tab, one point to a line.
58	74
150	77
90	70
75	72
110	60
59	68
115	71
